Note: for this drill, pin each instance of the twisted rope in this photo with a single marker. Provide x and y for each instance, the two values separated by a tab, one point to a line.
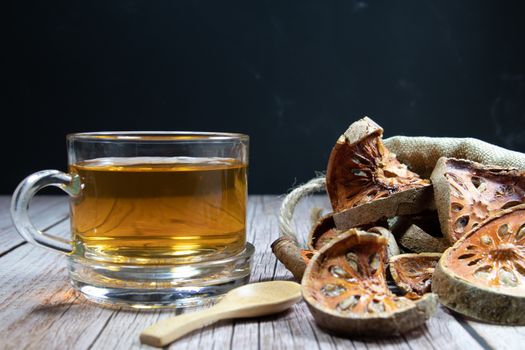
317	184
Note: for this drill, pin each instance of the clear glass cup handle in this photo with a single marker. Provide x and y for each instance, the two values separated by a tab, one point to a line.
20	205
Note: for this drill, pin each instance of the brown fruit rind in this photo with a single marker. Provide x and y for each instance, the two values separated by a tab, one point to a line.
351	296
428	221
466	193
407	202
322	232
395	323
483	274
288	252
418	241
413	272
392	247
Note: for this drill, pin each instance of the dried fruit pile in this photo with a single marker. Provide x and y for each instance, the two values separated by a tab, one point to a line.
379	203
346	289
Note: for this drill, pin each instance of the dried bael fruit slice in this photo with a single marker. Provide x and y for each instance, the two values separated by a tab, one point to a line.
365	182
324	231
345	288
295	259
467	193
392	247
483	274
413	272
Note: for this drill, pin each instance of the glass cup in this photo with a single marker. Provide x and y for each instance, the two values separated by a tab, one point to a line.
157	218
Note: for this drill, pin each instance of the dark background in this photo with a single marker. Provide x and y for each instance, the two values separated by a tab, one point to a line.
291	74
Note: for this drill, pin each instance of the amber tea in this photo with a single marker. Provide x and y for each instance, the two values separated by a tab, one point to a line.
157	217
149	208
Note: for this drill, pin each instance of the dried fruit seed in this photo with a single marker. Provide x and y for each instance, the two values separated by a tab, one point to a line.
483	272
333	290
503	231
339	272
507	277
376	306
461	223
348	303
456	207
374	262
353	261
521	233
486	240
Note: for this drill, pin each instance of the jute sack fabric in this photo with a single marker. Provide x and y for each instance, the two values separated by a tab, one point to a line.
421	155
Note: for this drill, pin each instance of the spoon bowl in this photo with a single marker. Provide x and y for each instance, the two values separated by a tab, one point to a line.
251	300
259	299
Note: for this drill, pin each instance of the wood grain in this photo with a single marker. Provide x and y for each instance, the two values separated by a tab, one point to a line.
39	309
44	211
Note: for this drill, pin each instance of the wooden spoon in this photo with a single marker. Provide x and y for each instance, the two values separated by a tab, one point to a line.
251	300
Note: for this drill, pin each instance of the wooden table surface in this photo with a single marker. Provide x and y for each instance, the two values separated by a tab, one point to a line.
40	310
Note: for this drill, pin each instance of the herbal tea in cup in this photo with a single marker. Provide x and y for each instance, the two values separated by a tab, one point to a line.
157	218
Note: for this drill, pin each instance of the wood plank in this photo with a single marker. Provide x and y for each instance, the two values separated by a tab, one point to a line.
438	332
44	211
40	309
496	336
37	299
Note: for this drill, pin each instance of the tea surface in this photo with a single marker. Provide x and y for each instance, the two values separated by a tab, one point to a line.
148	209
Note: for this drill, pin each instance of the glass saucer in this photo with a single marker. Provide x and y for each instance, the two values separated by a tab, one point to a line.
157	286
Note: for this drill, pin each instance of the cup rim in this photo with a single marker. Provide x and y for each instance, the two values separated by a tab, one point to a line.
156	136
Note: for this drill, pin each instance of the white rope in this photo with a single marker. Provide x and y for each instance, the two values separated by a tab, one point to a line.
317	184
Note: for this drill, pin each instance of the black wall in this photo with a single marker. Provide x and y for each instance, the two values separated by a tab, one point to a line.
291	74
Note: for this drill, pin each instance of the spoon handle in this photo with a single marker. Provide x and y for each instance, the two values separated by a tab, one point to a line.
170	329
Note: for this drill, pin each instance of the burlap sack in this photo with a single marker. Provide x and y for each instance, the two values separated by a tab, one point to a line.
422	153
